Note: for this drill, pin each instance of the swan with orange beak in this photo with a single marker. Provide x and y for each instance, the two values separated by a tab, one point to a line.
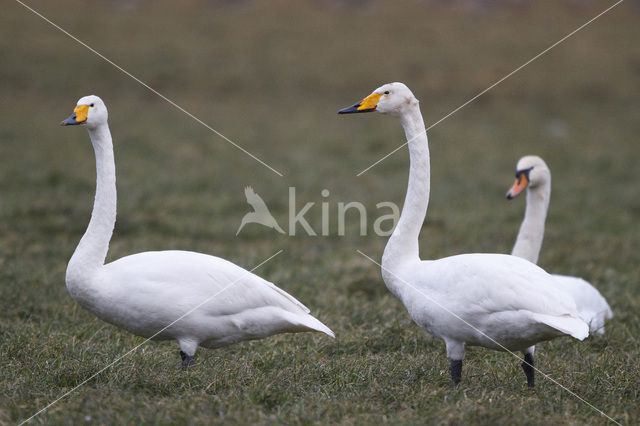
533	174
522	181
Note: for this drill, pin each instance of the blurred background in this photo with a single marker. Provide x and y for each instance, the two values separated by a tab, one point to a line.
271	75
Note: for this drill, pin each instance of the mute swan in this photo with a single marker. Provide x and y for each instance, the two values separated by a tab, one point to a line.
498	301
532	173
146	293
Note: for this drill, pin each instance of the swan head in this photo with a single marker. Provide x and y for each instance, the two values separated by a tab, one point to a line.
392	99
89	111
531	172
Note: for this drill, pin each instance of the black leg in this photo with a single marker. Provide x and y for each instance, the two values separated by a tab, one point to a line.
456	371
187	360
527	366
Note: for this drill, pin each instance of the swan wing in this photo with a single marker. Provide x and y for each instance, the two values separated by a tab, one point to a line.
498	282
286	295
566	324
170	278
476	287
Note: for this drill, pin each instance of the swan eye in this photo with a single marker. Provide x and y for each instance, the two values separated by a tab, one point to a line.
91	105
386	93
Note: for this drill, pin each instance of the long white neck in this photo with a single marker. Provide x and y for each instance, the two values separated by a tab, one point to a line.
531	232
403	243
91	252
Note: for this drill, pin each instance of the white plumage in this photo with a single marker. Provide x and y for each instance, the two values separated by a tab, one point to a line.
493	300
146	293
532	173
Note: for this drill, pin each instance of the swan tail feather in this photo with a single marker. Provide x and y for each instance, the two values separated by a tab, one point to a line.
609	313
569	325
311	323
599	319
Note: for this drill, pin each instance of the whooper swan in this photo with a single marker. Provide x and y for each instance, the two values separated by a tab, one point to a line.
146	293
498	301
532	173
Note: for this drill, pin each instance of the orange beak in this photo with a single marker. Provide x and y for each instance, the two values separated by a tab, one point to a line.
522	180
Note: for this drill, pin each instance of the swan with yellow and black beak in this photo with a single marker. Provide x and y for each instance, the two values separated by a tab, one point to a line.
497	301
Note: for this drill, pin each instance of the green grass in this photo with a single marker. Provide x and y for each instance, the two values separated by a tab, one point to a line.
271	77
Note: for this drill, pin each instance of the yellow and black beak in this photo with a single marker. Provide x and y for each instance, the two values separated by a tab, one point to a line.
522	181
79	116
368	104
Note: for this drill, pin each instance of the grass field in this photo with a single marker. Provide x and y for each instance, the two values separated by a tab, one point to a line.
271	77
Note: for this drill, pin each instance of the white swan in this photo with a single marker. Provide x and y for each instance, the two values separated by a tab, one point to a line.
493	300
532	173
146	293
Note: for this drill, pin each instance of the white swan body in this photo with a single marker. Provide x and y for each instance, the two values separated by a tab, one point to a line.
146	293
532	173
492	300
489	293
592	306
